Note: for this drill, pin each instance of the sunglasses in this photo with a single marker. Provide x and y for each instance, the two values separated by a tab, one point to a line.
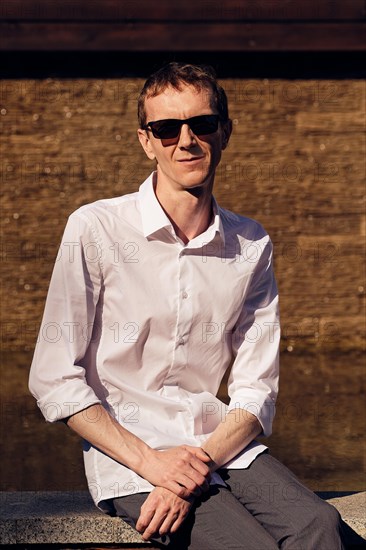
170	127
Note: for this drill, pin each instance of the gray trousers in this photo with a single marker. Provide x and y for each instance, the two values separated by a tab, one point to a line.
263	507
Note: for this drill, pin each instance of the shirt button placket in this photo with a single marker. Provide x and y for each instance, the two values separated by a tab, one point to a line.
184	320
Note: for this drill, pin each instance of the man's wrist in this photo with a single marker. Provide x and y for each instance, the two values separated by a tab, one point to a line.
142	460
211	464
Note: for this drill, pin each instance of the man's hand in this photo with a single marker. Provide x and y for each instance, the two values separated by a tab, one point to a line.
162	512
182	470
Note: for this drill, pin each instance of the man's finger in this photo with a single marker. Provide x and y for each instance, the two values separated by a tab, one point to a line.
178	489
201	454
154	525
198	465
177	523
165	527
144	519
199	479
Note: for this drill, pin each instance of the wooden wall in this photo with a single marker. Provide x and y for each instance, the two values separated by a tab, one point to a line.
208	25
295	162
72	71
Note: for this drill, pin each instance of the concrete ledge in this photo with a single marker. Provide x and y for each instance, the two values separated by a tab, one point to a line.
352	508
72	518
59	518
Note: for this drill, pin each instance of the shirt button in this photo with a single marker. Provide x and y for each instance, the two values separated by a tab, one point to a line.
181	341
184	294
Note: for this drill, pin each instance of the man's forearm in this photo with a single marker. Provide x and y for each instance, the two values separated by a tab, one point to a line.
104	432
231	436
182	470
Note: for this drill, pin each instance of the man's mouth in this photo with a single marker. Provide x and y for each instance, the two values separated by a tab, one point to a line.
191	160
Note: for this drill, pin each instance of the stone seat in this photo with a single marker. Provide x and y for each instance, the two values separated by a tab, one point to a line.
59	518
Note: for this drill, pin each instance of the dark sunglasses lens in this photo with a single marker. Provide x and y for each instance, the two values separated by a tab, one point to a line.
166	129
203	125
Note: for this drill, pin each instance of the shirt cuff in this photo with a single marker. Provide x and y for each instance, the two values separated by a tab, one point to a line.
72	397
263	408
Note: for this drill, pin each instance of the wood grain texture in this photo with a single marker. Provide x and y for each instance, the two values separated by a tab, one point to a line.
165	10
295	163
181	36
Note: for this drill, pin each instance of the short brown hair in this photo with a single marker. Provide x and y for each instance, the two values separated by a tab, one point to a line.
175	74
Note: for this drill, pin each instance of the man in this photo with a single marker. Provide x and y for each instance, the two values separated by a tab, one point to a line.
153	296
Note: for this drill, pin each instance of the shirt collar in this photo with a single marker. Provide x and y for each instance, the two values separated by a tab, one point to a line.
217	223
154	217
152	214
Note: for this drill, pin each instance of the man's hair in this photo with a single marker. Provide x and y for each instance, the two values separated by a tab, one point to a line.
176	74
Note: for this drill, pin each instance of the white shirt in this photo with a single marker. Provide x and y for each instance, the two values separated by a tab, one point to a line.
147	325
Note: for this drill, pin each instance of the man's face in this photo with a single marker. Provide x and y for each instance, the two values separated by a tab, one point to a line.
187	161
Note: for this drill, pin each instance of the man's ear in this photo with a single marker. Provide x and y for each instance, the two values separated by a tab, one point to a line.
145	143
226	129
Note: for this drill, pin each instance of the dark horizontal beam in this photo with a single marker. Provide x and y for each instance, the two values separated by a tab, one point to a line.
180	10
116	64
182	37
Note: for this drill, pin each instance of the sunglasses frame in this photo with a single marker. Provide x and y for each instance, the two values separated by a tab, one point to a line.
215	118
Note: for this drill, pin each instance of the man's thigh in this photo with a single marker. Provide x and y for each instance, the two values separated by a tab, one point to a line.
217	521
292	514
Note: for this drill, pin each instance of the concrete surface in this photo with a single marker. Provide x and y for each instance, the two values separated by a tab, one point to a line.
58	517
71	518
353	511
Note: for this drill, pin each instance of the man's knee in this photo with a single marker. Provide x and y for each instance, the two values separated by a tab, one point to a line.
320	527
327	516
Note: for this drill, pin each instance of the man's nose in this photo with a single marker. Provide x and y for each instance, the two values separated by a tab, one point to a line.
186	136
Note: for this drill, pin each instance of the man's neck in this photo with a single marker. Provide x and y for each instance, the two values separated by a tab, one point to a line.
190	211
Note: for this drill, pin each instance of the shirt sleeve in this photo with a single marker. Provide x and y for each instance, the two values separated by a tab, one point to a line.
57	379
253	381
